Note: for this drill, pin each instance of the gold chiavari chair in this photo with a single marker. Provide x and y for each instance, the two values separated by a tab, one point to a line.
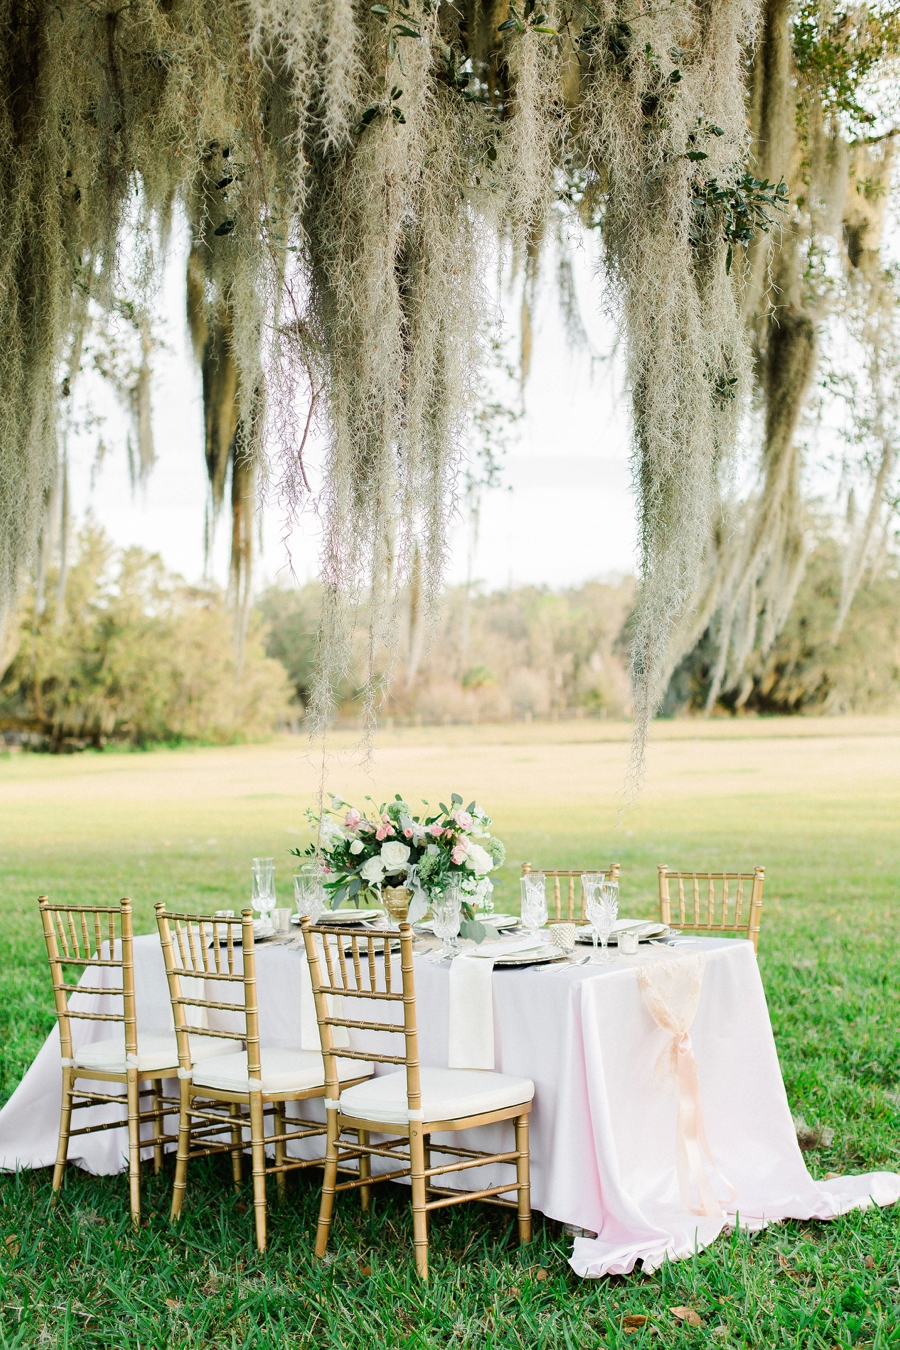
99	937
411	1104
236	1091
716	902
571	908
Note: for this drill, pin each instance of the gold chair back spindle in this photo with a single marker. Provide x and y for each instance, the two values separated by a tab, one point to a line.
715	913
574	903
407	1143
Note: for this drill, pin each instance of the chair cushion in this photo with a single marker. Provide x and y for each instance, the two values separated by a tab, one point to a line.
447	1094
157	1052
282	1071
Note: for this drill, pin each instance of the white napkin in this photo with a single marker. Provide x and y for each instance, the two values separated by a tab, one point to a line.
471	1034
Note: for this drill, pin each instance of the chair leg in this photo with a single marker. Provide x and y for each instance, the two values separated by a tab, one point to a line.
329	1181
420	1213
258	1155
133	1097
280	1152
237	1141
65	1124
156	1101
184	1148
523	1177
365	1170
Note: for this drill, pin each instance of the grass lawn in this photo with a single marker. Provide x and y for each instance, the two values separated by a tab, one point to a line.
818	803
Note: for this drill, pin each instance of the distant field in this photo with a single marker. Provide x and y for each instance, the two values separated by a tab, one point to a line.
816	801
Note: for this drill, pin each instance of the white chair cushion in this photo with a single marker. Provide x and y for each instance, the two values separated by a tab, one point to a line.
282	1071
447	1094
157	1052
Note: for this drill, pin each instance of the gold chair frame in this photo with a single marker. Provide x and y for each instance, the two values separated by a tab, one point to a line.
206	951
570	915
710	913
75	936
414	1137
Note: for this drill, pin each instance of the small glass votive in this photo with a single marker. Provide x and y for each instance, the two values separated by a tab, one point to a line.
281	920
627	939
562	935
223	913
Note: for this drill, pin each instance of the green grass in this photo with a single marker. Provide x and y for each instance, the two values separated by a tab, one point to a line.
78	1277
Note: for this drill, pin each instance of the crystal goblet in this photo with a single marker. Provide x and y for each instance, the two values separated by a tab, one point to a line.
534	901
445	915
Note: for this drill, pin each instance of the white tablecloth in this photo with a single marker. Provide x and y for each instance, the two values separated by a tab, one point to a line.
602	1131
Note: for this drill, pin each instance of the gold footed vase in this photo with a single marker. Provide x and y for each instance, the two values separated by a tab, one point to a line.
396	901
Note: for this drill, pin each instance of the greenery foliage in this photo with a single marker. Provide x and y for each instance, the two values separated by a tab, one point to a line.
522	652
136	656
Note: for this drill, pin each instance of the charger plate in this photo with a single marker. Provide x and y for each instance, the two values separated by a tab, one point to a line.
342	916
538	956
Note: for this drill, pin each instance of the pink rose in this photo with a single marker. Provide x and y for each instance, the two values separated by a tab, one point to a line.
435	830
463	820
383	831
352	818
408	834
458	855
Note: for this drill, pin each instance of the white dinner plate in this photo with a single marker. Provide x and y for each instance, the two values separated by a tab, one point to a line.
499	921
645	929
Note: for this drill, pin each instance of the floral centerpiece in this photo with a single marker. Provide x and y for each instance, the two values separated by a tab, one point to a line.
360	853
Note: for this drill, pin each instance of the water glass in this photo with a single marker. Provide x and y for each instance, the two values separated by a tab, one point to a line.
445	916
309	892
263	878
281	918
602	907
534	901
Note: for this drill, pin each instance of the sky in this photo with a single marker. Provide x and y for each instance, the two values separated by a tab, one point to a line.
563	514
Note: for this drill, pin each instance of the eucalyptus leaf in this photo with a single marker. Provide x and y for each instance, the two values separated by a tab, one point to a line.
471	928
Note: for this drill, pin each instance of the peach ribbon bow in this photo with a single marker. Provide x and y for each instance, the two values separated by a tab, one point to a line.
671	992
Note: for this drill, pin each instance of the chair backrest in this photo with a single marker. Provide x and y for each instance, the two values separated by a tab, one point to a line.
98	936
353	963
570	909
718	902
211	967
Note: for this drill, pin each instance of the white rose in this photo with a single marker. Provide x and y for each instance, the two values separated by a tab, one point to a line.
394	855
372	870
357	846
478	859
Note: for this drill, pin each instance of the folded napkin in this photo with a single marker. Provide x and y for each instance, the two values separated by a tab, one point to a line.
471	1036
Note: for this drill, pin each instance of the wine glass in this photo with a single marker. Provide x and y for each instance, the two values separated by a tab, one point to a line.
602	906
263	898
445	914
309	892
534	901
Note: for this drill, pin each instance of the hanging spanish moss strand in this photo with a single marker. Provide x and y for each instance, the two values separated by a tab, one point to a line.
662	115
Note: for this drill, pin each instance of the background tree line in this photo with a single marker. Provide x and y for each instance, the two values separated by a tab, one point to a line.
126	653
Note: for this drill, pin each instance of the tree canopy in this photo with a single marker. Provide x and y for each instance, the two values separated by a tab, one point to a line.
346	170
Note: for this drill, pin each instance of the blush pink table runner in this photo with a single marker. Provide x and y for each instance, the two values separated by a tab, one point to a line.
617	1092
